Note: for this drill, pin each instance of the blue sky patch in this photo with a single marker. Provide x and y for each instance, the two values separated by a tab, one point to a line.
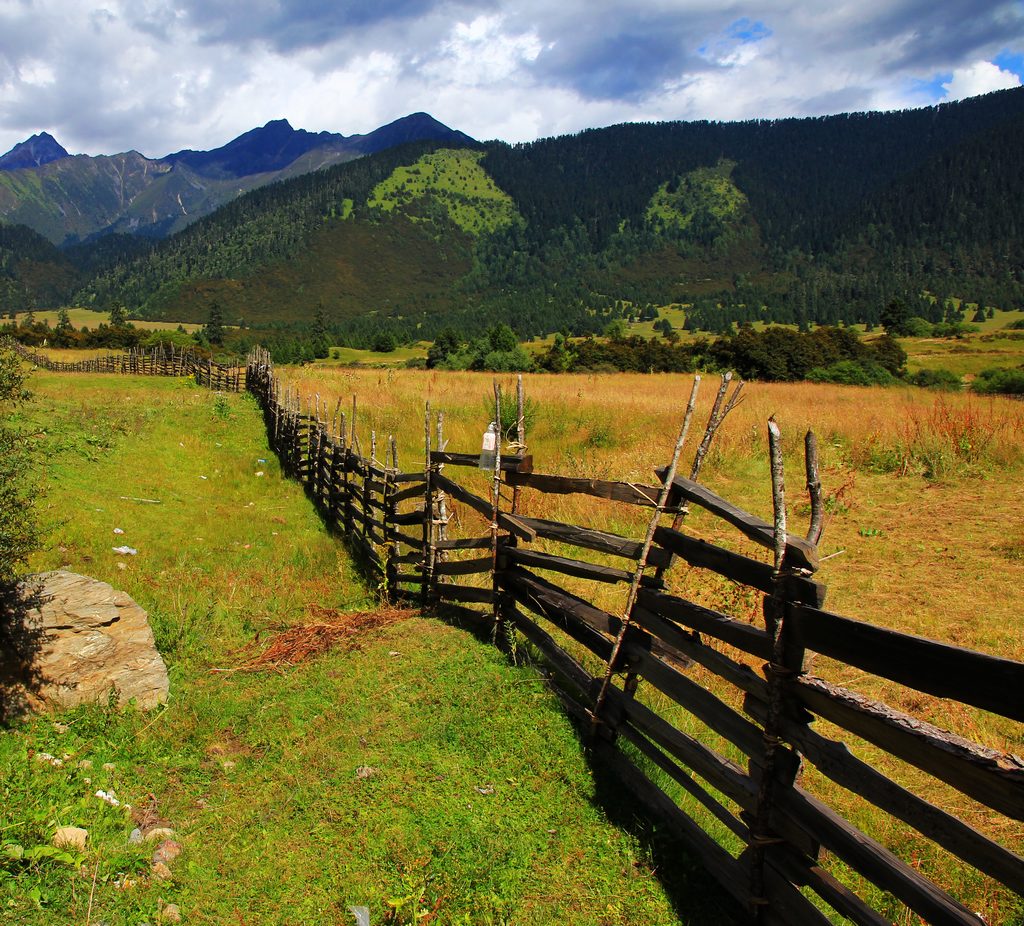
748	30
1012	61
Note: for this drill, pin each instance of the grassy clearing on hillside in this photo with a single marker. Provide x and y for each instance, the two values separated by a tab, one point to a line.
457	182
91	319
479	805
352	356
922	495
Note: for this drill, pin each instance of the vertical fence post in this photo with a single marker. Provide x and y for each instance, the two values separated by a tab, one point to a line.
499	623
428	514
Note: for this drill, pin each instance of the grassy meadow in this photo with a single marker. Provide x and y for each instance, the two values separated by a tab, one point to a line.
91	319
922	531
416	772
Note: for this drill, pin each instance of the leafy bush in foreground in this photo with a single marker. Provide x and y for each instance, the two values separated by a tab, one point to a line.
17	525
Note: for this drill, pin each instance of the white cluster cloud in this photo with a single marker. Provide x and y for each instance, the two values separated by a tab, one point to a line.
978	78
160	75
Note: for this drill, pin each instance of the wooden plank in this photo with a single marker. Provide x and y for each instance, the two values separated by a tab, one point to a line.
662	809
874	861
557	657
465	567
414	491
803	871
601	541
599	488
406	518
698	700
448	592
743	636
994	778
689	643
509	462
464	543
409	541
582	621
414	558
799	553
408	477
720	813
509	523
989	682
835	760
739	568
572	567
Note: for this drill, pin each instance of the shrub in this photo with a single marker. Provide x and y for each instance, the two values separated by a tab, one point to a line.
18	532
936	379
917	327
1000	382
852	373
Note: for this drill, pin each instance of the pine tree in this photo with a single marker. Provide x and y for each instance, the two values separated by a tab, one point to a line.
214	329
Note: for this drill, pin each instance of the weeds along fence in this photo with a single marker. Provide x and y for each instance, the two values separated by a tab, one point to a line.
795	860
158	361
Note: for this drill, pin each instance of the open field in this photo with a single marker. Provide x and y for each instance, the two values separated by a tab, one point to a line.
922	496
350	356
91	319
480	805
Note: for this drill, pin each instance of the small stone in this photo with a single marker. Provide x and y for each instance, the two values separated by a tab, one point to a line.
70	837
109	767
85	764
159	832
48	759
167	852
61	727
171	913
162	872
135	837
366	771
228	765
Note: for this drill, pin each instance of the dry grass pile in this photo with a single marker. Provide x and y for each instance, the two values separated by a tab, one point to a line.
330	629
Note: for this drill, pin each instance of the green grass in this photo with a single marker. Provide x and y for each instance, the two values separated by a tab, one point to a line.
350	356
257	772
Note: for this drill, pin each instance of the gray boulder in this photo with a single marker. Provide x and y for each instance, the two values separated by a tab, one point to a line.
71	639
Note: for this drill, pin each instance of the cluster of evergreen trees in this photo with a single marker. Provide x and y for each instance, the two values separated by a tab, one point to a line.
774	354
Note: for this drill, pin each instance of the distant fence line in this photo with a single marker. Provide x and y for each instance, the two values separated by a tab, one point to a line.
396	519
158	361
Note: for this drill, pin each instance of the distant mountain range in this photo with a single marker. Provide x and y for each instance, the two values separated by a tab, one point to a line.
69	198
823	219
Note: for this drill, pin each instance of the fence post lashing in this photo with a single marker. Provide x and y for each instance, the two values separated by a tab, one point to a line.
634	585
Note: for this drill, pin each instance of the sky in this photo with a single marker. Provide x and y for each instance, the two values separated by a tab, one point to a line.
161	75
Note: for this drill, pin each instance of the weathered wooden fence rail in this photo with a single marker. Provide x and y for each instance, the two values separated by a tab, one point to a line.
397	520
159	361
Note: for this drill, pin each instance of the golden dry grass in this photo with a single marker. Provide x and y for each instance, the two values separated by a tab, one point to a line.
923	518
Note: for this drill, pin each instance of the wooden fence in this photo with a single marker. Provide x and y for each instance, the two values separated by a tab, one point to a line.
159	361
396	519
